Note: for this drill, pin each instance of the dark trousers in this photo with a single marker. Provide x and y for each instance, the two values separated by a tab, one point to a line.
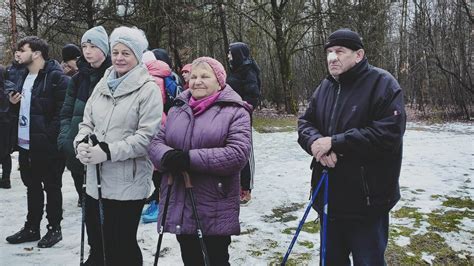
156	178
245	177
121	219
6	163
78	178
40	173
365	239
217	249
246	172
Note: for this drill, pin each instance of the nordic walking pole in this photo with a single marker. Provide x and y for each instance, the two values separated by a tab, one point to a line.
308	208
163	219
83	205
95	141
189	189
325	222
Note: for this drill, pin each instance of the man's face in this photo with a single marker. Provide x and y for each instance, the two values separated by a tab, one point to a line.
17	56
69	67
26	55
341	59
92	54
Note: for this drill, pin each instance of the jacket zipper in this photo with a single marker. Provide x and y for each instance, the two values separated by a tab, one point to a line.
110	118
365	186
332	121
134	167
107	128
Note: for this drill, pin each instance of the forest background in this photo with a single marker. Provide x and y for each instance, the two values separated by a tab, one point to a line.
426	45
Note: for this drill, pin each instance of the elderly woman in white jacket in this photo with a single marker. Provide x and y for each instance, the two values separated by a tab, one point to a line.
123	112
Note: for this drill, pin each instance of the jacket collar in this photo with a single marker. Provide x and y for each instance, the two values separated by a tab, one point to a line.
352	74
228	95
136	79
49	66
86	68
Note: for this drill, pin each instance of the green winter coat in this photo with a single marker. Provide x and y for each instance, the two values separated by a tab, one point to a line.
79	89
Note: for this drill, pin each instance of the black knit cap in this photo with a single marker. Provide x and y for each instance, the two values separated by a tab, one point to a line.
70	51
346	38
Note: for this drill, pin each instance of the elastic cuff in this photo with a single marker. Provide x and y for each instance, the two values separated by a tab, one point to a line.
105	147
337	142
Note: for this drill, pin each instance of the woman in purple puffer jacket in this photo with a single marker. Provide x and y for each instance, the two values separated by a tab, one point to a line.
207	134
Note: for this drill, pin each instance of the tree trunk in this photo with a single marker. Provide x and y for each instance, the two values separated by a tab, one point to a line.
283	60
14	32
223	24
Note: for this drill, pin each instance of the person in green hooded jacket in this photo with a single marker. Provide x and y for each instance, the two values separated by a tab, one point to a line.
92	65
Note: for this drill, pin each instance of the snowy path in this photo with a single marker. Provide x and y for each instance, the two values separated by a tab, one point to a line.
438	160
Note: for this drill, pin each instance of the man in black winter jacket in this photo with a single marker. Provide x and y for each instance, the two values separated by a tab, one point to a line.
354	127
37	105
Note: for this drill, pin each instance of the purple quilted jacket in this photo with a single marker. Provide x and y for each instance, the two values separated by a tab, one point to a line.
218	142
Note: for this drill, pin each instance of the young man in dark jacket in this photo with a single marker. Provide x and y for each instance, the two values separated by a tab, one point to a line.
37	105
354	127
92	65
244	78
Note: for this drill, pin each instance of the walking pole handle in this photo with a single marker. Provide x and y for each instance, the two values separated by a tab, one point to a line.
94	139
170	179
187	180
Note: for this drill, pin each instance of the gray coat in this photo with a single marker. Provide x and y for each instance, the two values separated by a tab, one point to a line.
126	121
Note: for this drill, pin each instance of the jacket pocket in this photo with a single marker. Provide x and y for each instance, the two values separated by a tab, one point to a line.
221	187
365	185
128	170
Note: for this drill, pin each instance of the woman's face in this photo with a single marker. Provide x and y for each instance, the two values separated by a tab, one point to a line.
203	81
123	59
186	75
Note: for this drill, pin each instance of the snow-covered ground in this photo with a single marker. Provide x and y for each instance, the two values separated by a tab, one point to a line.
438	160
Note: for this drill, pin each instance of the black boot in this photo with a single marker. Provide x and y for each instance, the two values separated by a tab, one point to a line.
52	237
26	234
5	183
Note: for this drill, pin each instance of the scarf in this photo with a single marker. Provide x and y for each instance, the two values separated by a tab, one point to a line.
113	82
200	106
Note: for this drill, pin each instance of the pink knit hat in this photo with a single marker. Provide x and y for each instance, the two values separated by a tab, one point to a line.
187	68
216	66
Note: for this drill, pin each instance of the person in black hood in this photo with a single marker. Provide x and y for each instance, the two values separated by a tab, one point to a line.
37	106
244	78
354	128
15	71
5	133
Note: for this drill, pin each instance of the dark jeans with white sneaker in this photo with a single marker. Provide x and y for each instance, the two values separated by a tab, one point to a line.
41	173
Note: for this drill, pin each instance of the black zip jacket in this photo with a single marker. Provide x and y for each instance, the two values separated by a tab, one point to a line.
47	98
365	116
245	80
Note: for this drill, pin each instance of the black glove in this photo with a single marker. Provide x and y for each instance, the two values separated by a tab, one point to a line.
176	161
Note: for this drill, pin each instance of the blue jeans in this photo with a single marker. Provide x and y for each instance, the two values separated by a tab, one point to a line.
365	239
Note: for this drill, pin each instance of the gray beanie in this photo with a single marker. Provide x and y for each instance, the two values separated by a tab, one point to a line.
134	38
98	37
